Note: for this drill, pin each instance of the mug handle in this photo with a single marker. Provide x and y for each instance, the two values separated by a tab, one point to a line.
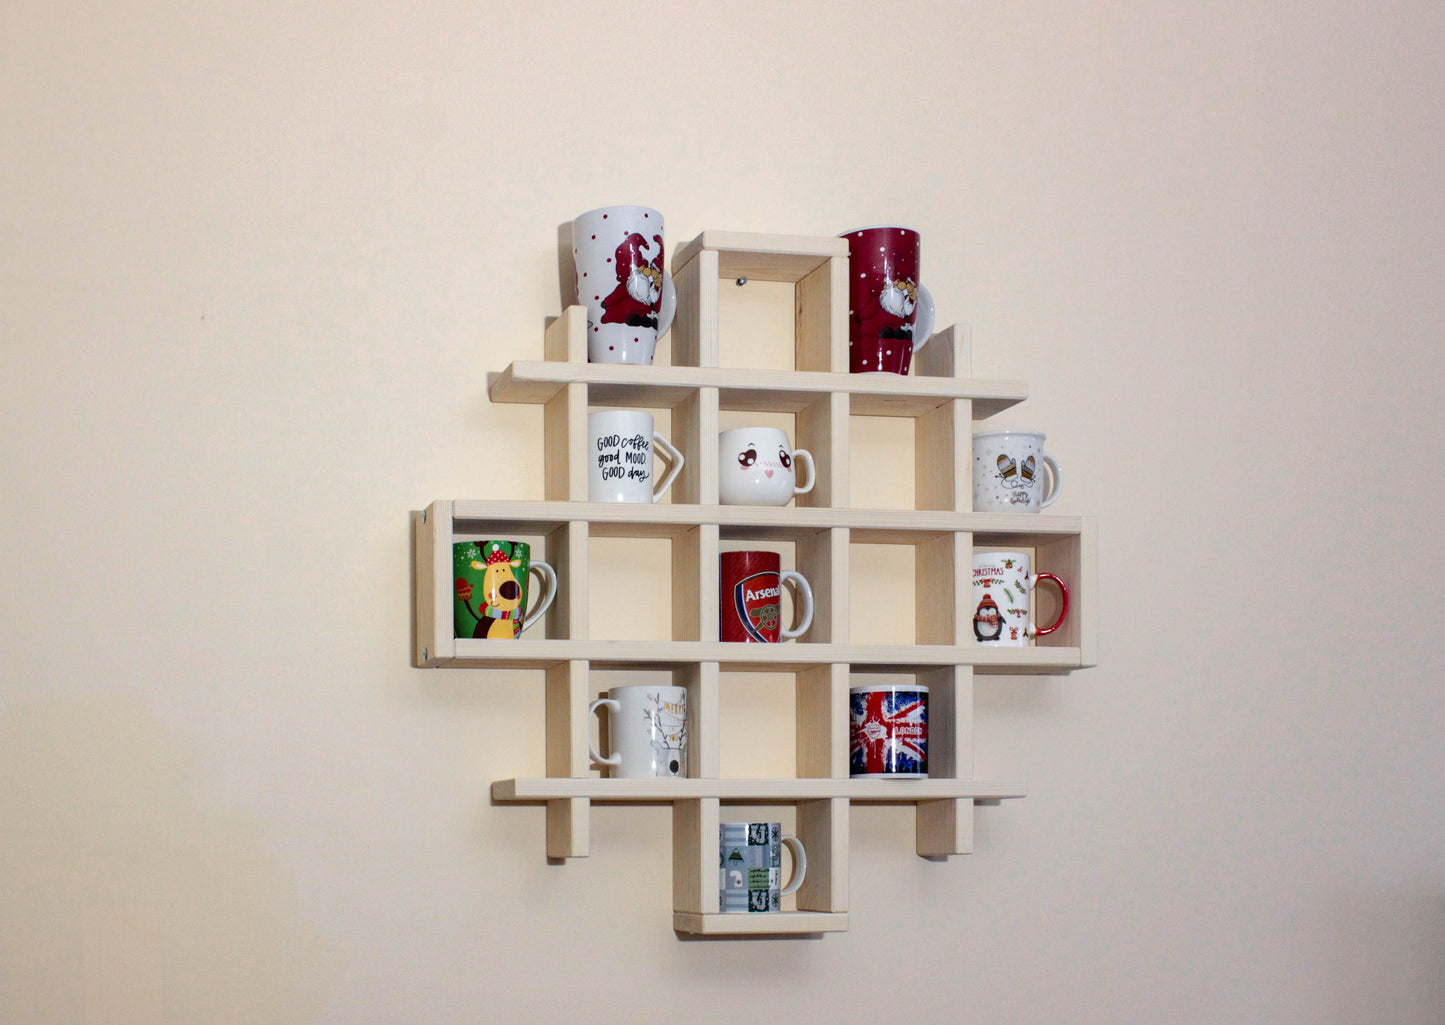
614	706
674	463
923	316
1034	631
807	603
668	306
800	864
549	581
1056	480
802	455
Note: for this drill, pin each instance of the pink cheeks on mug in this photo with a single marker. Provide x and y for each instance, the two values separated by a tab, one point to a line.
759	466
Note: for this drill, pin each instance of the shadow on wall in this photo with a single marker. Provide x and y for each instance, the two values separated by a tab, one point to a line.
125	897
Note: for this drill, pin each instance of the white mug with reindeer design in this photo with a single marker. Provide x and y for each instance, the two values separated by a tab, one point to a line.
756	466
623	281
647	732
1011	473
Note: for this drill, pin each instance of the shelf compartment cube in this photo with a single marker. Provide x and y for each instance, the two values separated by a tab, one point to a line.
561	543
816	266
1071	555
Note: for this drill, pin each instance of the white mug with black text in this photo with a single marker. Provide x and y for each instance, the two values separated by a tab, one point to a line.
620	446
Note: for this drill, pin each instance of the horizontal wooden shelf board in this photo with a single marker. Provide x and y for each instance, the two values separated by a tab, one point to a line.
870	526
753	390
732	656
598	789
765	923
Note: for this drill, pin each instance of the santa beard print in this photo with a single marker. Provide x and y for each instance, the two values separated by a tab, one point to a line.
898	298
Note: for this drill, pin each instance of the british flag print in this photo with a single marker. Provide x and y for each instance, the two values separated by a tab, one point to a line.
889	732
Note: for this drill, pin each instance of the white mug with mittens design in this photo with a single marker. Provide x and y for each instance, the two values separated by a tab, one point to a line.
1011	473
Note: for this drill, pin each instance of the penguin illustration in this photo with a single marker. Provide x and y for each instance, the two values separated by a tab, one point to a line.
987	623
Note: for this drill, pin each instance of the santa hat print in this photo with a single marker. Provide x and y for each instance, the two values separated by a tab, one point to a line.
633	253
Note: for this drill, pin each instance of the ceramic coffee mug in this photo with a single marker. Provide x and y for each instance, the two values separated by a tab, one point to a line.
619	457
1008	468
756	466
890	315
623	282
1002	593
888	731
750	606
750	866
490	594
647	732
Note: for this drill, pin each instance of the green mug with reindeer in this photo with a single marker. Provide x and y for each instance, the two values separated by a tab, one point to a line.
490	588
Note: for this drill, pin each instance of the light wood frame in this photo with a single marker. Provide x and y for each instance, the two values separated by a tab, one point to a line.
943	401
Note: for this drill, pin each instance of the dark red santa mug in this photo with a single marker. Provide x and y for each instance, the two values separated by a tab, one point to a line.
890	315
751	598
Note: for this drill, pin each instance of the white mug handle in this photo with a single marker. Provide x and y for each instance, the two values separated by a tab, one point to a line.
802	455
614	707
806	593
549	582
668	307
1056	479
674	463
800	864
923	315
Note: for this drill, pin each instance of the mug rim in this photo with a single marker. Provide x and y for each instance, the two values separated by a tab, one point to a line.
999	551
624	412
876	227
737	430
1016	431
645	686
616	206
484	540
864	688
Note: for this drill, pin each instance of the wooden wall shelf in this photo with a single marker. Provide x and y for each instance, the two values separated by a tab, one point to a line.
941	399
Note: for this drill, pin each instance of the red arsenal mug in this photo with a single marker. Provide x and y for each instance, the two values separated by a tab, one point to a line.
751	598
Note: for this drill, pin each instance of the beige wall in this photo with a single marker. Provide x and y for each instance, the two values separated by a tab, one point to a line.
255	263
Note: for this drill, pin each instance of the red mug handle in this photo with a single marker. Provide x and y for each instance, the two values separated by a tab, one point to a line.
1064	590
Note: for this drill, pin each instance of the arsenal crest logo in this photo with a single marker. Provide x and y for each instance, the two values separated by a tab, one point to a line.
757	602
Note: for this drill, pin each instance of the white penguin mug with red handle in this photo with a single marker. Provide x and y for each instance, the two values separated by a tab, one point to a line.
1003	591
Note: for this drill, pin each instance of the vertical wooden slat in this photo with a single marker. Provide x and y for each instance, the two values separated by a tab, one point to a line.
823	828
704	750
821	324
695	855
822	558
822	429
694	334
946	827
567	554
568	819
564	419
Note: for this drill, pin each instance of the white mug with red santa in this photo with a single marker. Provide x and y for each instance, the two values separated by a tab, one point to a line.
623	282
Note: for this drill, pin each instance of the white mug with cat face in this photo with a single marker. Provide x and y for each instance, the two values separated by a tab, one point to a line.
620	445
756	467
623	281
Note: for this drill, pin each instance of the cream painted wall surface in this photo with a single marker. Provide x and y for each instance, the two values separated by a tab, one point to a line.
255	262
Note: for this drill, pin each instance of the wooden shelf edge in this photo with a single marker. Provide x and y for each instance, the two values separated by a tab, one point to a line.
737	657
669	518
534	381
597	788
770	923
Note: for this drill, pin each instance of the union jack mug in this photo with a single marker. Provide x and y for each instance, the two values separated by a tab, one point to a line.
888	731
